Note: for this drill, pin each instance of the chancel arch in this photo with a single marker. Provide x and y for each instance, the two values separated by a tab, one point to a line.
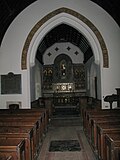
85	26
75	20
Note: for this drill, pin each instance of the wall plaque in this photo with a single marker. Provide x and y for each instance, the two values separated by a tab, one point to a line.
11	83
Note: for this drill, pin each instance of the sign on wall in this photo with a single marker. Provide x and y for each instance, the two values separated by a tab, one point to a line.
11	83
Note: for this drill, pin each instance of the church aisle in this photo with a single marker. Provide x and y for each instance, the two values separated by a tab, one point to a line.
74	134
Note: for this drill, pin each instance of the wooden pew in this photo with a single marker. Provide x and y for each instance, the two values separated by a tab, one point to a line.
24	121
33	112
39	116
30	137
24	133
98	117
12	149
102	113
43	111
46	116
102	130
112	146
100	120
91	126
23	117
84	113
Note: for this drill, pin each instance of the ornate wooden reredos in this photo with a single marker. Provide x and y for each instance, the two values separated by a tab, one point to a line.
63	76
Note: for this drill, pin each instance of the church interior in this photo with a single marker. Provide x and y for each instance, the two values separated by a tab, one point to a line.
59	80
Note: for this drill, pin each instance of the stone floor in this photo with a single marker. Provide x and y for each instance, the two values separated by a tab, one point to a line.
66	129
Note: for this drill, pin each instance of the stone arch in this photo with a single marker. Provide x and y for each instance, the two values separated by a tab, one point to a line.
78	16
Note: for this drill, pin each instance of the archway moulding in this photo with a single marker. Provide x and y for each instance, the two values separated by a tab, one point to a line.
51	15
73	22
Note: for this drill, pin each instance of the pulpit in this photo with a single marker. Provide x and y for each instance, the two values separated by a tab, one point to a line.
111	98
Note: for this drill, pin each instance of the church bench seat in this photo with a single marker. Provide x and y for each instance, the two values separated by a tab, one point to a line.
100	120
12	149
89	112
84	113
92	119
102	130
112	146
24	118
24	121
24	133
28	112
35	112
101	114
45	112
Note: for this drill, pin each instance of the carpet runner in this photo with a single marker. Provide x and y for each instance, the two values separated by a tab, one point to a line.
64	145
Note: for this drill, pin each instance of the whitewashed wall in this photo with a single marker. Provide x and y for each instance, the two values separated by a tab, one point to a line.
35	80
62	49
14	39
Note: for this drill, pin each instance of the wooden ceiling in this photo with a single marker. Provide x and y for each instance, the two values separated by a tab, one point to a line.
65	33
62	33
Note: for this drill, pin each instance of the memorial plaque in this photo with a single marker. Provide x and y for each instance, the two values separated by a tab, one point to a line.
11	83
